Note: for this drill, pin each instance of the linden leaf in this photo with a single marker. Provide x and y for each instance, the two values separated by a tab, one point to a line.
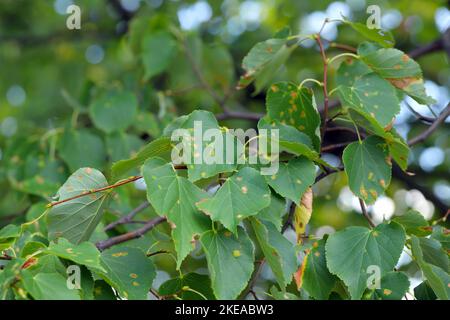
368	168
372	95
129	271
77	219
230	261
290	105
350	252
278	251
242	195
175	197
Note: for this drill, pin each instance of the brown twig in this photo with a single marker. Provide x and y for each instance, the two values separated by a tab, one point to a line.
365	213
425	134
343	47
325	84
105	244
335	146
129	217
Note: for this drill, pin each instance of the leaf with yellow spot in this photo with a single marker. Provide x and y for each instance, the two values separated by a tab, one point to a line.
242	195
393	286
314	275
131	274
362	159
297	107
350	252
302	214
85	253
175	197
229	274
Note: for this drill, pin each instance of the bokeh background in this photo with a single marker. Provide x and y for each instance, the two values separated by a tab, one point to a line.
49	75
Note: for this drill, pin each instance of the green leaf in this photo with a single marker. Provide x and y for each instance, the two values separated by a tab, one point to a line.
81	148
382	37
367	167
349	71
77	219
129	271
158	50
351	251
394	285
230	261
175	197
8	235
274	212
48	286
442	235
290	105
242	195
278	251
293	178
372	95
424	292
191	286
121	145
414	223
114	111
102	291
289	138
389	62
85	253
433	253
398	68
198	167
437	278
316	278
263	61
282	294
155	148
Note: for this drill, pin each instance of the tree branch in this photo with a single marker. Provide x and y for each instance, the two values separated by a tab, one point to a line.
365	213
128	217
425	134
102	245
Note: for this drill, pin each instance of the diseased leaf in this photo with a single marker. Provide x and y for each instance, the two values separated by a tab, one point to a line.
351	251
278	251
77	219
8	235
372	95
230	261
433	253
302	214
191	286
242	195
368	168
129	271
316	279
394	285
175	197
114	111
293	178
85	253
214	147
414	223
263	60
288	104
158	50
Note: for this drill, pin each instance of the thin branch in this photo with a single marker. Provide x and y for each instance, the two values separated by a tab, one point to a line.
365	213
105	244
129	217
335	146
240	115
425	134
5	257
325	83
418	115
343	47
